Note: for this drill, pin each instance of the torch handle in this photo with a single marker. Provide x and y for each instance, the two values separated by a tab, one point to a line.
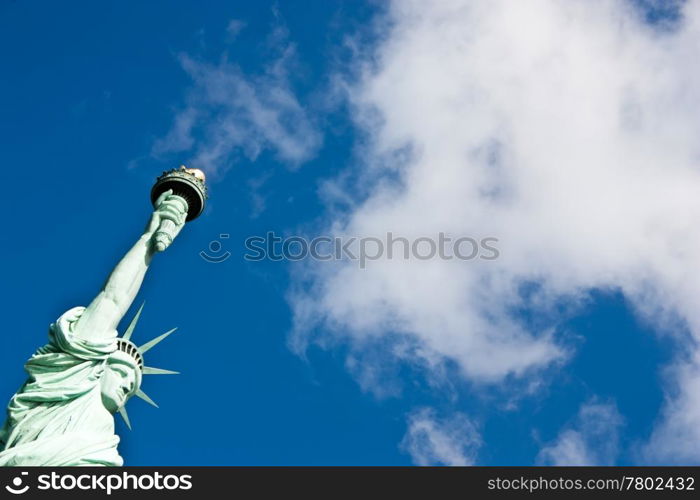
164	235
167	230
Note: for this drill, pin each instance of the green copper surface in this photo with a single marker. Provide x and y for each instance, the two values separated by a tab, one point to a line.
64	413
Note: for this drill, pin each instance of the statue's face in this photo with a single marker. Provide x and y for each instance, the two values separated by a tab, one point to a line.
118	383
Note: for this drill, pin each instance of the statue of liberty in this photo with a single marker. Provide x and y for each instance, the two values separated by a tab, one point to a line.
63	414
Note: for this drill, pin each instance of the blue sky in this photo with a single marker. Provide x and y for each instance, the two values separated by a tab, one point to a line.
91	95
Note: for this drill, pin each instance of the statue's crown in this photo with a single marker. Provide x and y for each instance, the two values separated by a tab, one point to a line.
125	345
132	350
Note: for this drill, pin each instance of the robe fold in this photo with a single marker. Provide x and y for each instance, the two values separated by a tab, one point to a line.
57	417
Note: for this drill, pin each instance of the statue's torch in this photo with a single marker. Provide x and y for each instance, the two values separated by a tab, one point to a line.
187	183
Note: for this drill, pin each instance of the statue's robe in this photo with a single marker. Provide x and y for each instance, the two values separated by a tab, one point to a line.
57	417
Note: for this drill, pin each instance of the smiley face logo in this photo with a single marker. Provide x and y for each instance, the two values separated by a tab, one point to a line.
215	247
16	488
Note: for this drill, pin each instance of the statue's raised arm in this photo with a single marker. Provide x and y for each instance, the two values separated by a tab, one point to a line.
119	291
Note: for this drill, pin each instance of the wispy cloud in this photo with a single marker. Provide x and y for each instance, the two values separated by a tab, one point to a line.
229	113
234	27
676	439
592	439
568	129
431	440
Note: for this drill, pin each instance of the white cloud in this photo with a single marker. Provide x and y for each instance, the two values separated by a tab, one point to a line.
677	439
430	440
229	113
592	439
566	128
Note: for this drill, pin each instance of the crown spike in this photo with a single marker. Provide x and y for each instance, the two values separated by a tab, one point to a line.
151	343
132	325
149	370
140	394
125	416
